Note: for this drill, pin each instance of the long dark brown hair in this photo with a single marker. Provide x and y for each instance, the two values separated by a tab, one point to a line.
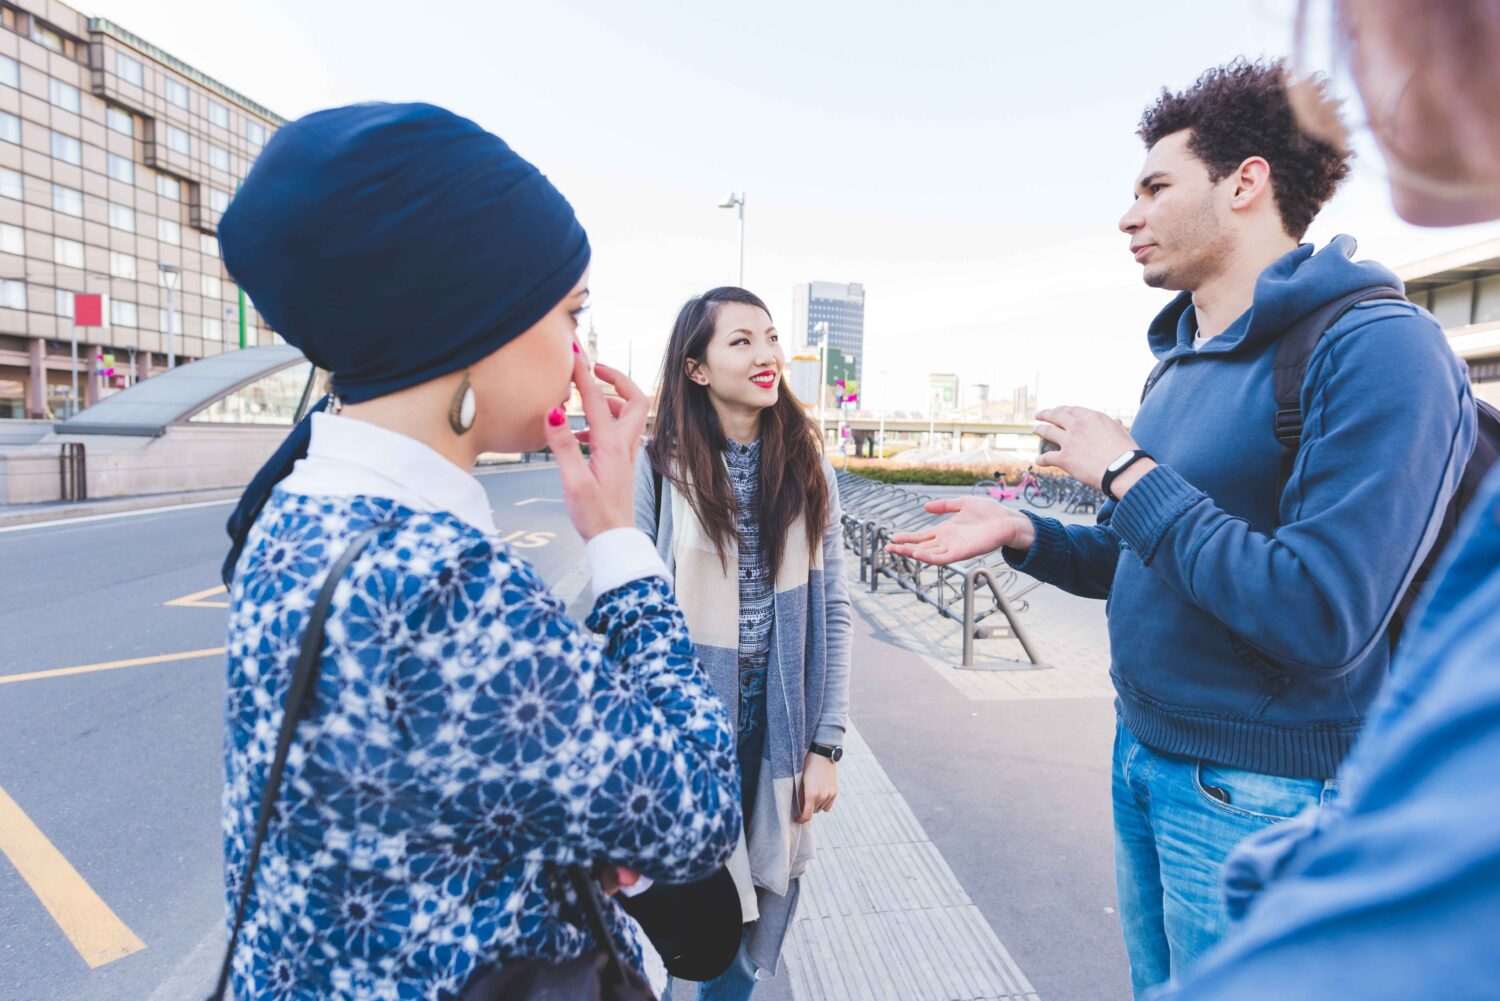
688	443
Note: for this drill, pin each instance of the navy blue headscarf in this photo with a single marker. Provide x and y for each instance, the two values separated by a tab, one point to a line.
392	243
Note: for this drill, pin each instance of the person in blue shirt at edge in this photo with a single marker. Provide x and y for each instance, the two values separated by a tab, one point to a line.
469	744
1393	892
1248	631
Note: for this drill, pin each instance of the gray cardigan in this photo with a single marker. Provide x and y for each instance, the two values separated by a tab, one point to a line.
807	685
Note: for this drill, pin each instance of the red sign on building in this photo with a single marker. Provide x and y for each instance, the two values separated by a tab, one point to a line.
88	309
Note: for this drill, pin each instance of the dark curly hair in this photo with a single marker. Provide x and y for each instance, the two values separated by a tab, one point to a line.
1242	110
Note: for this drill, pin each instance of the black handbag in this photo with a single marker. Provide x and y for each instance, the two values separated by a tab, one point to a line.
598	975
695	927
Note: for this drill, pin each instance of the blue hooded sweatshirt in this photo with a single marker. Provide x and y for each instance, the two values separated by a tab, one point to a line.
1392	891
1247	629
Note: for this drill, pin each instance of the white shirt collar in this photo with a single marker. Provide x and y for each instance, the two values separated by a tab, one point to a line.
349	457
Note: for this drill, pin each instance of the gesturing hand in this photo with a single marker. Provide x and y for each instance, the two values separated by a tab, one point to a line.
1089	441
600	491
979	525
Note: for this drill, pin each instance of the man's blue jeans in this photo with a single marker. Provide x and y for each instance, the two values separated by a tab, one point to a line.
1176	821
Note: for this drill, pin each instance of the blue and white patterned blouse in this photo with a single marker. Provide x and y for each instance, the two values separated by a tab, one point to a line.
467	742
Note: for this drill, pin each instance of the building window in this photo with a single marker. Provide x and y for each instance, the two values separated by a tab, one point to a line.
255	132
168	231
177	93
68	252
122	217
12	239
218	157
12	294
208	244
169	187
122	122
218	200
161	320
10	184
64	95
67	149
62	303
121	168
10	71
45	36
10	128
123	314
130	70
218	114
178	140
122	265
213	328
212	287
67	200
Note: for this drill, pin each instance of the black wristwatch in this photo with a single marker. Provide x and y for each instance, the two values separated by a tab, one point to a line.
1114	469
833	752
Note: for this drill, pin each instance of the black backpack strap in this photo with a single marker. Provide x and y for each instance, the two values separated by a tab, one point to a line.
1289	368
656	489
1155	376
298	697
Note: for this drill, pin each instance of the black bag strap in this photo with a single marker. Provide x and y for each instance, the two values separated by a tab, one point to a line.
1289	368
593	910
656	488
298	696
1155	376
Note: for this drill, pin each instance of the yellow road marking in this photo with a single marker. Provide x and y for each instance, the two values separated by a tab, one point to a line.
99	936
195	600
63	672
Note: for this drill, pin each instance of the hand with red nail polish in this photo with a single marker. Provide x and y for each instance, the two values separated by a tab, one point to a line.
599	490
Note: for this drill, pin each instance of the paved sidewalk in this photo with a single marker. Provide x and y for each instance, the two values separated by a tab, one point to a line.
956	823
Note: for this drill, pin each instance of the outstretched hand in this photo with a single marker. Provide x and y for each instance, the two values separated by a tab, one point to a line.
979	525
599	490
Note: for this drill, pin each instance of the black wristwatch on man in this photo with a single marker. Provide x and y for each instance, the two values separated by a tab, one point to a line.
833	752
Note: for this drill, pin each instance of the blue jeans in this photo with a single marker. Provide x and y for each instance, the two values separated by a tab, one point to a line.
735	984
1176	821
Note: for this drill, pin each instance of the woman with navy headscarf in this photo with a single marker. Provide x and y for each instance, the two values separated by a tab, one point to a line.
467	743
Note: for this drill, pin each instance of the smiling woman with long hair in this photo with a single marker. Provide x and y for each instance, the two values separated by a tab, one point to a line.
743	507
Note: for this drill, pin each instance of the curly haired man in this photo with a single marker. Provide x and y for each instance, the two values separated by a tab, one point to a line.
1253	572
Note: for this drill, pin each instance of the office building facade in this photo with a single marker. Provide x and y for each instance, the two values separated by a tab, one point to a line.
116	162
834	308
1462	289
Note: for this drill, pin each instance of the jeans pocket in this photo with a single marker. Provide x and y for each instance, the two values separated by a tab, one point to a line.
1245	793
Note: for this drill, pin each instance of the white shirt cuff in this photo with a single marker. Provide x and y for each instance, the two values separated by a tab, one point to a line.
641	885
620	556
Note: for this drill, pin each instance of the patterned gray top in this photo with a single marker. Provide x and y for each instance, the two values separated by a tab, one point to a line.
757	597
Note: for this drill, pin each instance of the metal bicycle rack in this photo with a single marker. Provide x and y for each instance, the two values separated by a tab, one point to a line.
969	592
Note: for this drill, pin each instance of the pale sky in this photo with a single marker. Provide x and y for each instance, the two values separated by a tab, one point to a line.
966	160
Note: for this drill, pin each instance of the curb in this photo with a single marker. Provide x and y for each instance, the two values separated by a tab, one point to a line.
113	505
28	514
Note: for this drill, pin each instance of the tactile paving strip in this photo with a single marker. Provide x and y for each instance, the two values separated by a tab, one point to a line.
882	917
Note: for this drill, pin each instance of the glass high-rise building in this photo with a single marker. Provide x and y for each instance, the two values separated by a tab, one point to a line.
842	307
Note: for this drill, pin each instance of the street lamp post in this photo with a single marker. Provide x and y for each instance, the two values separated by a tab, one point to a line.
737	201
170	273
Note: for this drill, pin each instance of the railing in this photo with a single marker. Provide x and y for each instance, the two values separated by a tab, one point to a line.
968	592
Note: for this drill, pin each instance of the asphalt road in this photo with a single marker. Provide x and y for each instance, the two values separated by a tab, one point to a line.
118	771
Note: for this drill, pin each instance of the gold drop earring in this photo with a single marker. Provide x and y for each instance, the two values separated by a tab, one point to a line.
461	411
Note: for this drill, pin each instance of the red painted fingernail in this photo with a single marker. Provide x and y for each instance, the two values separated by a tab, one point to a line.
575	347
555	417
